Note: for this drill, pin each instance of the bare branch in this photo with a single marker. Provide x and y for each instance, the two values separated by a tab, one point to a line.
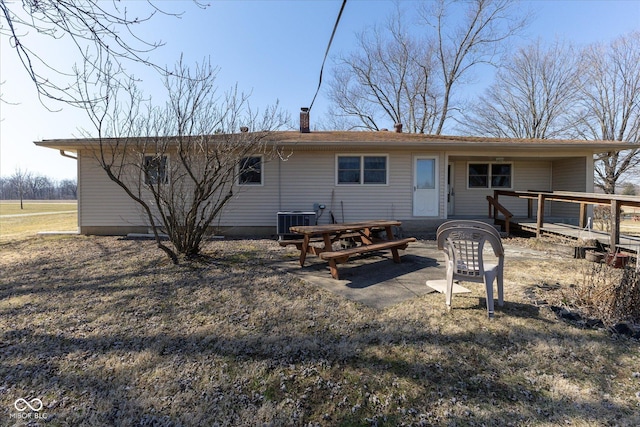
397	76
389	77
610	104
479	38
100	32
532	96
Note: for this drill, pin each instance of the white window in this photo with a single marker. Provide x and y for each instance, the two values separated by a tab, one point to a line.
155	169
490	175
250	171
361	169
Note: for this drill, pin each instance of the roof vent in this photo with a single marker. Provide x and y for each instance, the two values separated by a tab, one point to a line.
398	127
304	120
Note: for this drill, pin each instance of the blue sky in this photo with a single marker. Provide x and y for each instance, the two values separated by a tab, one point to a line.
272	49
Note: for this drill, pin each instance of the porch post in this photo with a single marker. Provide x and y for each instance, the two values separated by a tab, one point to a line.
583	215
615	225
540	215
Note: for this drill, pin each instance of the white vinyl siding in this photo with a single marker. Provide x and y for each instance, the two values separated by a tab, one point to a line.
310	177
253	205
102	202
532	175
568	175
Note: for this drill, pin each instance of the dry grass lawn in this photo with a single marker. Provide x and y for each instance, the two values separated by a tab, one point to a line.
54	215
105	332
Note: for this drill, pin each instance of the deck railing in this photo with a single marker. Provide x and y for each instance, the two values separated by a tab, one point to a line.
494	208
615	201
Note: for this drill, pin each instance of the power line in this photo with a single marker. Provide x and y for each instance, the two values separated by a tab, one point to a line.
333	33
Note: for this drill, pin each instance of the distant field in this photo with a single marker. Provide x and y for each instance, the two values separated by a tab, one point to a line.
36	216
627	226
630	227
12	207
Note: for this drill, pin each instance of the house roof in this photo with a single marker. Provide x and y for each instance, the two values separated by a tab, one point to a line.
387	139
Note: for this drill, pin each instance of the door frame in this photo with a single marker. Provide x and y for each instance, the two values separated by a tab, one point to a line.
451	189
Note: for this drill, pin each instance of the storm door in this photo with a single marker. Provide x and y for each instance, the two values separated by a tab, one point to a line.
425	187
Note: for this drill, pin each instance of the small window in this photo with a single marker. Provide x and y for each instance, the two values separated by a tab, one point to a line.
250	171
478	175
500	175
489	175
375	170
348	170
155	170
362	170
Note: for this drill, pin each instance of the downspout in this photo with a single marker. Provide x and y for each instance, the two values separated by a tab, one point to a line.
279	184
63	154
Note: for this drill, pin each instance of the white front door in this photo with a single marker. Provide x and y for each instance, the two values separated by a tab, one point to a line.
425	187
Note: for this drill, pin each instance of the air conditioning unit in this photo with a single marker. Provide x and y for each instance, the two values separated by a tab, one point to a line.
292	218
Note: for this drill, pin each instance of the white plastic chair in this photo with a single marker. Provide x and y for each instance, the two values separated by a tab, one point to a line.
463	245
469	223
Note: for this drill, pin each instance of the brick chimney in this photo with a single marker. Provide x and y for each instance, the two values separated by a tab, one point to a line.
304	120
398	127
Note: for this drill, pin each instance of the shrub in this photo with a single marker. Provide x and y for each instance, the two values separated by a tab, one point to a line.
612	295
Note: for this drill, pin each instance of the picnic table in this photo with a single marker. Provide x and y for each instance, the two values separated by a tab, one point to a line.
364	235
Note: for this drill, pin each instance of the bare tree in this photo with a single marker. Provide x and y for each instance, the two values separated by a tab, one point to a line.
25	184
39	186
20	181
532	96
395	75
610	105
388	77
181	162
479	37
99	31
68	189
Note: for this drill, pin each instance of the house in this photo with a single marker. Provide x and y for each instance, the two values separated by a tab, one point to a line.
418	179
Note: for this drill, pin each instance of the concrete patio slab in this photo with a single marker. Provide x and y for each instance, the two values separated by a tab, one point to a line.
441	286
374	279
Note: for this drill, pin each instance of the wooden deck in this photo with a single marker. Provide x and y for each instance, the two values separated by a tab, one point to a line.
627	243
539	224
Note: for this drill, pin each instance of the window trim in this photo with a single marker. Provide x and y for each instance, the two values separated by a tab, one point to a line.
166	169
362	169
489	176
251	184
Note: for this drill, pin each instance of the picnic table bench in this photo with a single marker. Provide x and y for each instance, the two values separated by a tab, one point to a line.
341	256
362	233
